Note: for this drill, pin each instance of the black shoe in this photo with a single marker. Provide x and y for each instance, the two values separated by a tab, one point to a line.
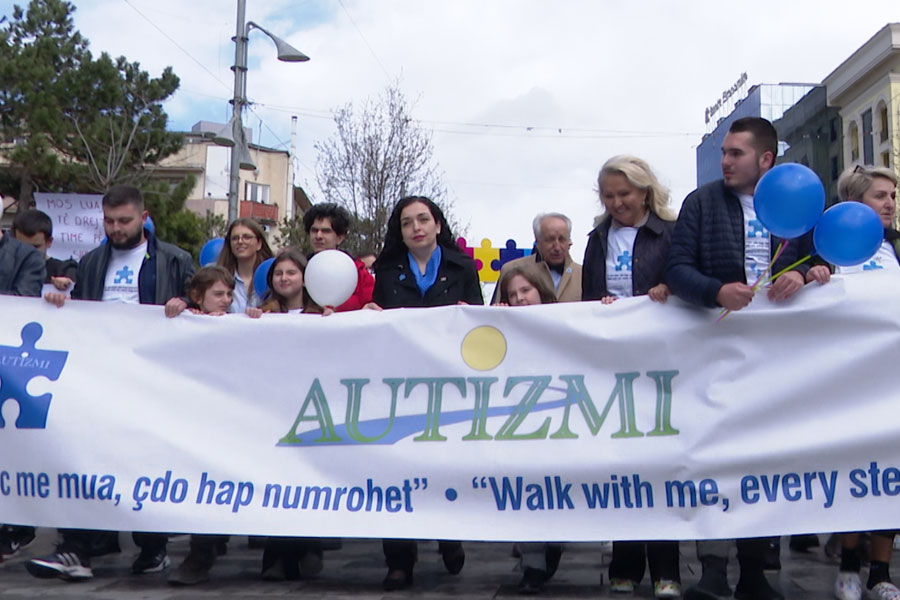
532	582
755	587
397	579
150	561
13	538
454	558
713	584
803	543
552	554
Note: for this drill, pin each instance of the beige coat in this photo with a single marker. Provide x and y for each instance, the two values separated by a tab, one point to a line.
569	286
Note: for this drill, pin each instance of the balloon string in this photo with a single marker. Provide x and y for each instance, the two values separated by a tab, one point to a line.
788	268
759	280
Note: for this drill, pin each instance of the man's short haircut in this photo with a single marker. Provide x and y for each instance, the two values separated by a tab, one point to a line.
120	195
765	138
855	181
339	216
536	224
31	222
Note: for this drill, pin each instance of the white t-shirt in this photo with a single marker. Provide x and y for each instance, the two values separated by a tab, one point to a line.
122	275
295	311
885	259
619	260
757	245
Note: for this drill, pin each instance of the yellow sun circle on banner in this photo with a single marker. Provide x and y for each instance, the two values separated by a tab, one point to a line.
484	348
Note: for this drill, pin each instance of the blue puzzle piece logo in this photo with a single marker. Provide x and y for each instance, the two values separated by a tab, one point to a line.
123	275
871	266
624	261
18	366
756	229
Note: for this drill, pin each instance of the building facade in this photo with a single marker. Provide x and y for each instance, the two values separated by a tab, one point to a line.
866	89
811	132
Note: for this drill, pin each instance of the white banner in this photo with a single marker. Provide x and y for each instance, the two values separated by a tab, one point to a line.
77	222
559	422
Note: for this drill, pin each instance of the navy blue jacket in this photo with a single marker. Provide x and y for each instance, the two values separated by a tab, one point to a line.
651	247
165	272
707	248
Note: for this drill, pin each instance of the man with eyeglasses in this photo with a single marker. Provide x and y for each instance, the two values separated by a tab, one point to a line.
134	267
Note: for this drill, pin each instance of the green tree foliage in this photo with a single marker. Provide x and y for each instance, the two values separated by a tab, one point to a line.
292	233
70	122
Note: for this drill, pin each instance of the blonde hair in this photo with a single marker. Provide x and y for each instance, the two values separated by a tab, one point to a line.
855	181
640	175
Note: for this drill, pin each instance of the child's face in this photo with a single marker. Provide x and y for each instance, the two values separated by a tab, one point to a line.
217	298
287	279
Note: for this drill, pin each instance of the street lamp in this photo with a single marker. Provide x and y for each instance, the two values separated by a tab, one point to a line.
233	133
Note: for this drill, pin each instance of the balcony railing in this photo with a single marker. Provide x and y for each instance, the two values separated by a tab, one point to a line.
267	213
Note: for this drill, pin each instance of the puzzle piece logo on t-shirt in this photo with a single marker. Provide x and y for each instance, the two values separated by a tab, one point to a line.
18	366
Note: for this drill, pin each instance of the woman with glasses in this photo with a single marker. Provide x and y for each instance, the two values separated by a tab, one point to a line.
245	248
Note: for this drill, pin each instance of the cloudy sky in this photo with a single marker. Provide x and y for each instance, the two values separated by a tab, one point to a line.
525	99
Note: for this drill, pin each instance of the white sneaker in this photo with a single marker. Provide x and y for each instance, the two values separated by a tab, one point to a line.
884	591
848	586
621	585
666	588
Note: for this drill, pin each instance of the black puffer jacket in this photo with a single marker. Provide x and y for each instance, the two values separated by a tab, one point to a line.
707	248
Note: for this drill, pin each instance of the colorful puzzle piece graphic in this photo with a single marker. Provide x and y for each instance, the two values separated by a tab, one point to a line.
18	366
507	254
487	256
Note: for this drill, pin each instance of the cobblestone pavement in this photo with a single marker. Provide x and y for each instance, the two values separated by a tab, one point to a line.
355	572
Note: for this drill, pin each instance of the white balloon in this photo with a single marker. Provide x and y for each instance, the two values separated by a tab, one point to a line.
331	277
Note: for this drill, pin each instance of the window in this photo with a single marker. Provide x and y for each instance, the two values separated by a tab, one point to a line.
883	121
256	192
833	129
835	171
886	159
868	142
853	135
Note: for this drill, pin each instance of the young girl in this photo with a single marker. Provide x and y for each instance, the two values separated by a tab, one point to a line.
287	293
245	248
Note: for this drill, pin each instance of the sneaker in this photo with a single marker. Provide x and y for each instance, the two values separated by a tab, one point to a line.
885	591
756	587
666	588
195	568
621	585
150	562
13	538
848	586
63	565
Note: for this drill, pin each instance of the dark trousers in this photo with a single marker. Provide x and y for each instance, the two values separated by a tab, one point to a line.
629	560
80	541
401	554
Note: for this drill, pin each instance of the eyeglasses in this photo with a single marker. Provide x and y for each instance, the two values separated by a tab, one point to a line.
245	237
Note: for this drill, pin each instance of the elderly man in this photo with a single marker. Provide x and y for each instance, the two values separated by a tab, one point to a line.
553	238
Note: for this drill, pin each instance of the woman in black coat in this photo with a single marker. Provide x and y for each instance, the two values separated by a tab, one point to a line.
421	265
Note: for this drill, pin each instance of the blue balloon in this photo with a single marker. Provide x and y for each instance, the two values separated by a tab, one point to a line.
209	253
848	234
149	225
789	200
260	283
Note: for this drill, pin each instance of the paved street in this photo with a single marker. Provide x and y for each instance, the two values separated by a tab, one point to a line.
355	571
